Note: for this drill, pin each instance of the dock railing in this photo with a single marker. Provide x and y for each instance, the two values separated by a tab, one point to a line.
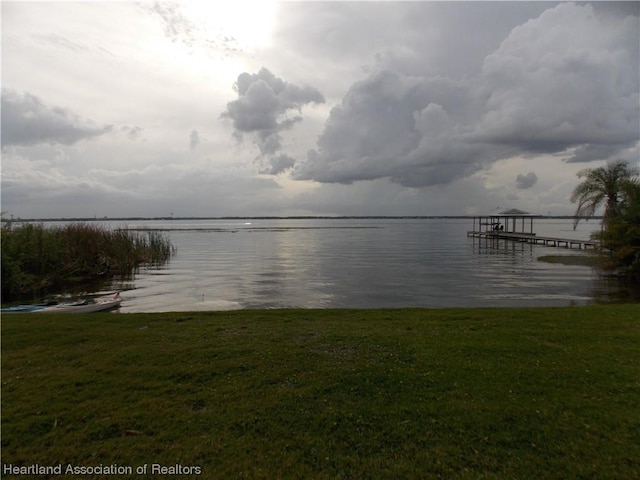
535	239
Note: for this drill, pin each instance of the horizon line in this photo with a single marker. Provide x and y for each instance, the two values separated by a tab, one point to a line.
271	217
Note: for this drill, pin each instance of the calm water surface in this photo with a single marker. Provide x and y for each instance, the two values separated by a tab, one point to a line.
359	263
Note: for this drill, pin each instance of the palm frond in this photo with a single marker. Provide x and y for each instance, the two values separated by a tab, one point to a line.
602	186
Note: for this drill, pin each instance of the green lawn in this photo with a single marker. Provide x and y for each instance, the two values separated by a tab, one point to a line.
416	393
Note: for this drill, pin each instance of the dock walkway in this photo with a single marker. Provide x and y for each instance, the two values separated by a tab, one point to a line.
535	239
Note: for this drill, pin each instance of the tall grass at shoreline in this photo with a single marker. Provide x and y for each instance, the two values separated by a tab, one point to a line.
39	260
539	393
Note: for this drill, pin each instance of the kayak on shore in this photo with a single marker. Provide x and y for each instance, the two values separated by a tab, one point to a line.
82	306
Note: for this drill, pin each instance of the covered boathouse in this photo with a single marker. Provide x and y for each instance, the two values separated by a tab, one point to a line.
517	225
508	221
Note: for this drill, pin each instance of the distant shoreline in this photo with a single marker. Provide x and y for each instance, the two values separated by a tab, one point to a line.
294	217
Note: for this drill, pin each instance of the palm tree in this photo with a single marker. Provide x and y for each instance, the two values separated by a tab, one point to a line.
621	239
604	186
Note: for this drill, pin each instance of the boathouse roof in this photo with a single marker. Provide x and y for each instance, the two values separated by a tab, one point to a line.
514	212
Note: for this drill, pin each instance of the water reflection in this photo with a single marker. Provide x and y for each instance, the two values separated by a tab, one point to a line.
359	263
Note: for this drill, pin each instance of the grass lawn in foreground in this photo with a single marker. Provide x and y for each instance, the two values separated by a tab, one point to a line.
461	393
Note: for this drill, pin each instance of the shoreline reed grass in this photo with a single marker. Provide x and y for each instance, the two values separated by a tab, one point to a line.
39	260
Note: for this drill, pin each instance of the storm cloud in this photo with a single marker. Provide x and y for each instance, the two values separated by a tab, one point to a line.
568	79
278	164
26	120
564	83
406	128
528	180
264	110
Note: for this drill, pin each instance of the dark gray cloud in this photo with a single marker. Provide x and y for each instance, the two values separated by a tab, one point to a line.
593	152
622	8
396	126
527	180
264	109
26	120
336	41
564	83
278	164
194	139
568	79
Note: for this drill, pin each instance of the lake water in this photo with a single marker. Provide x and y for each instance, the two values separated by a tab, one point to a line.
357	263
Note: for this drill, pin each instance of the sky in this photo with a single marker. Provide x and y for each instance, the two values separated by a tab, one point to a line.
263	108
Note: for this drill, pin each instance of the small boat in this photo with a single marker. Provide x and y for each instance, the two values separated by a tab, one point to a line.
82	306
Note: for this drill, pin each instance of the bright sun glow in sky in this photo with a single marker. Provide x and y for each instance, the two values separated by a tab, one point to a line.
246	23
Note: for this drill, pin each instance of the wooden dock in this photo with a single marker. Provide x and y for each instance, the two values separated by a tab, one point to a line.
535	239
